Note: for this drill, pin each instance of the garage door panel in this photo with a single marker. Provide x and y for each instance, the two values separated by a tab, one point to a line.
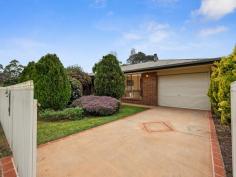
185	102
184	91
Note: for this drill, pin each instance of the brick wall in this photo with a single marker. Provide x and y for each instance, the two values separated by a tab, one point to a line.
133	101
149	90
149	83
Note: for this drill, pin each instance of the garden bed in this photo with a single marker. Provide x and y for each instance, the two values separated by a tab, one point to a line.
224	138
4	147
52	130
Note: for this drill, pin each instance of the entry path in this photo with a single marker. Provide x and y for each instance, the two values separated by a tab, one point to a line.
160	142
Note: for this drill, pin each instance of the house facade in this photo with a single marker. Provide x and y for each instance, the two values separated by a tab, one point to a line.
181	83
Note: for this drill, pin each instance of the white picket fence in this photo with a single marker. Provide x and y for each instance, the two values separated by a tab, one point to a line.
18	116
233	125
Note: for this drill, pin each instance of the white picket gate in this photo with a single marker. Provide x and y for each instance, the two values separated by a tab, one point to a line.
233	125
18	116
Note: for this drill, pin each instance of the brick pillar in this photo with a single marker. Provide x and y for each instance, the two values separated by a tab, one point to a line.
149	86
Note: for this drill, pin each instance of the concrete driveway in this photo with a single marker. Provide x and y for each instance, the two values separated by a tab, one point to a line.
160	142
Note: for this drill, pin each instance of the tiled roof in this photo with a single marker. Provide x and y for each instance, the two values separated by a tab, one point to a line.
165	64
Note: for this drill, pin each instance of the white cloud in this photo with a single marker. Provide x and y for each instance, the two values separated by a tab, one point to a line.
131	36
216	9
154	26
146	36
150	32
212	31
158	36
99	3
27	43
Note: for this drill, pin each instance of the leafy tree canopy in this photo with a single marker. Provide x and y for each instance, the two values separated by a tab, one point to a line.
12	72
140	57
76	72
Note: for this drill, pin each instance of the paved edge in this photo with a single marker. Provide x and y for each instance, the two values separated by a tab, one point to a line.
217	160
7	167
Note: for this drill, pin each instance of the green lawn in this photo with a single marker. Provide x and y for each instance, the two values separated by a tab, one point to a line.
48	131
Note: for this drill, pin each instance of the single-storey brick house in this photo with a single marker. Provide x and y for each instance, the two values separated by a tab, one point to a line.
181	83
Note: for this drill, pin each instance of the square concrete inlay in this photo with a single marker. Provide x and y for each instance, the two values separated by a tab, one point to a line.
157	127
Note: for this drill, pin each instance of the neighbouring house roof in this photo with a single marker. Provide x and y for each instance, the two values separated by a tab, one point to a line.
163	64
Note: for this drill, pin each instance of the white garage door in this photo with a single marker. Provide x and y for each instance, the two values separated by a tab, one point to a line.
184	91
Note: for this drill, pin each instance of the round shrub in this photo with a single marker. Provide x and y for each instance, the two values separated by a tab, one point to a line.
97	105
66	114
109	78
52	86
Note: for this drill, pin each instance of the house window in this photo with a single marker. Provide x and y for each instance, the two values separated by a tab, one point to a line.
133	86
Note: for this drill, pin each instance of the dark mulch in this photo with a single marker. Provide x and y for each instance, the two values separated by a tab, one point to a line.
4	147
224	138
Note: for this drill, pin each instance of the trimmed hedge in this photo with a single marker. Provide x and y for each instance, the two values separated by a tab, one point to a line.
223	74
98	105
109	78
66	114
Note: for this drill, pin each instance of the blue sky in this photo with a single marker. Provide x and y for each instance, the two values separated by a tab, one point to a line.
82	31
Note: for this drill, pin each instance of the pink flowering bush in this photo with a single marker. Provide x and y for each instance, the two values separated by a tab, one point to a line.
97	105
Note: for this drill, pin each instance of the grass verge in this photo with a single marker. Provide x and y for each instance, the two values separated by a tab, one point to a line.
49	131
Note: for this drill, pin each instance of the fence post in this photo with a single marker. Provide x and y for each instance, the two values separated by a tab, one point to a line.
18	116
233	125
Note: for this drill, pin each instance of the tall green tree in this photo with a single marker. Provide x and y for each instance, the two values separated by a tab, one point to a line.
51	83
223	74
109	78
141	57
12	72
29	72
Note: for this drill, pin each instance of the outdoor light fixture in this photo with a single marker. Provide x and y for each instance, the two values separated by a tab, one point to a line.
147	75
